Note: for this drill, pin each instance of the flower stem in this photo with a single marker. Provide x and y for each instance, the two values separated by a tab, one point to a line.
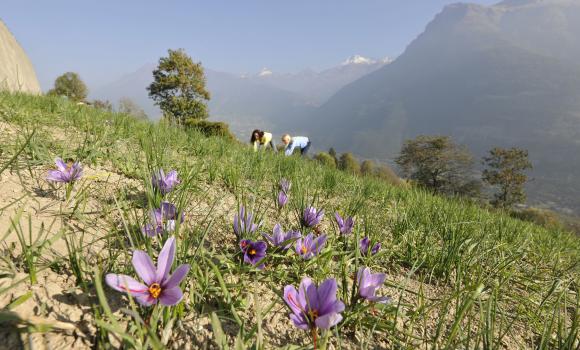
314	337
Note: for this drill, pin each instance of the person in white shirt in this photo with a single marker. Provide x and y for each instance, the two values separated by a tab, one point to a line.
301	142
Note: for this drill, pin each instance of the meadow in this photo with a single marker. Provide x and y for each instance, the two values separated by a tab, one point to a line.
457	276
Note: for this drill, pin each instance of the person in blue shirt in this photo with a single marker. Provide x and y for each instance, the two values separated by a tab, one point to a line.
301	142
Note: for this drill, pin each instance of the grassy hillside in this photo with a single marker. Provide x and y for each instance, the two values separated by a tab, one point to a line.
458	276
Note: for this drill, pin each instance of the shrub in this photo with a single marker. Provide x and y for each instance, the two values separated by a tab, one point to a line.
325	159
208	128
542	217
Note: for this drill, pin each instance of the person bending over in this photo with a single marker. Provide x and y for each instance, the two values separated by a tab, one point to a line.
262	139
301	142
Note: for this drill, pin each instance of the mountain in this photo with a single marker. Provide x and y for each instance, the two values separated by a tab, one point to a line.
502	75
317	87
268	100
16	70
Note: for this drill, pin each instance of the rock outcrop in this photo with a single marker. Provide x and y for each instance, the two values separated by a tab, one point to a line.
16	70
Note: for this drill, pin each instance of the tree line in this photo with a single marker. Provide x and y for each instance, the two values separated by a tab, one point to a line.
444	167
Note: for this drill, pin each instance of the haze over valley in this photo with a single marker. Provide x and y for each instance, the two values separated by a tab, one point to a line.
502	75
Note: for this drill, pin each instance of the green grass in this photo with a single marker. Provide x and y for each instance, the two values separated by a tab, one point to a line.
459	276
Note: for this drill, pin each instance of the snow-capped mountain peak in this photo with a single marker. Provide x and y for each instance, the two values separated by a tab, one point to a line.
265	72
358	59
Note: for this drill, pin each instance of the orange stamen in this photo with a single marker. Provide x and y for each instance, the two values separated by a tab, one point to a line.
155	290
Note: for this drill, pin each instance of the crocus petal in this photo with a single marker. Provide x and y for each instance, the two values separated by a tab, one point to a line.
377	279
299	321
144	267
268	238
381	300
127	284
327	295
177	276
146	300
171	296
56	176
60	164
328	320
291	299
165	259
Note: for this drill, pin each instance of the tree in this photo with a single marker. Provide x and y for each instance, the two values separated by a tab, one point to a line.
384	172
437	163
70	85
334	156
349	163
127	106
103	105
367	167
325	159
505	169
178	87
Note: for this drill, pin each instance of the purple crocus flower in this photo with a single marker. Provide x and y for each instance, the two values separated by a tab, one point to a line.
365	244
312	306
243	223
344	226
310	246
285	186
158	284
164	183
280	239
162	220
312	217
254	252
282	199
66	172
368	283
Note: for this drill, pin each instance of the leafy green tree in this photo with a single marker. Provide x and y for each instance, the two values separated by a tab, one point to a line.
178	87
367	167
437	163
127	106
349	163
70	85
505	169
325	159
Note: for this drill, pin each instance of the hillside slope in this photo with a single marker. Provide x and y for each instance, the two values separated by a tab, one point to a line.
503	75
458	276
16	70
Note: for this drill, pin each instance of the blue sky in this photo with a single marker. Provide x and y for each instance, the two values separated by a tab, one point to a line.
103	40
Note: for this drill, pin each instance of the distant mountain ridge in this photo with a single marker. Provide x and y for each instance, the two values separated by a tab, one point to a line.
502	75
267	99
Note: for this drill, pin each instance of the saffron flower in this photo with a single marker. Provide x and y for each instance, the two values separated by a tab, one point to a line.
344	226
365	247
162	220
164	183
254	252
243	223
66	172
285	186
312	217
368	283
280	239
314	307
282	199
310	246
158	285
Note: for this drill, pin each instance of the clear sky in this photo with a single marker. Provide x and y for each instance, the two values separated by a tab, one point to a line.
102	40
